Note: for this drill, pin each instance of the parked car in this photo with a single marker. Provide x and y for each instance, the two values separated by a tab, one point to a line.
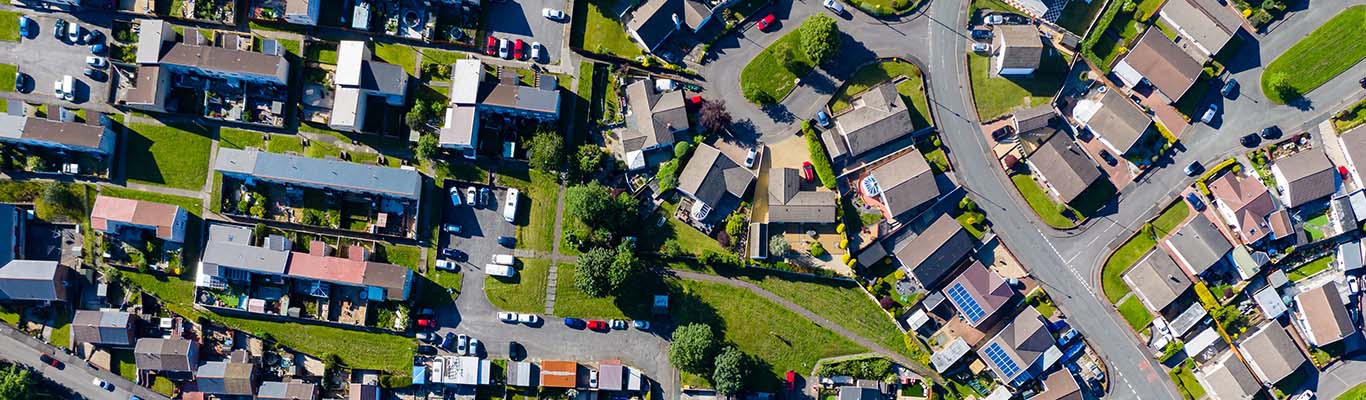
23	26
1362	82
492	47
426	323
462	344
452	253
574	323
592	378
1109	158
445	265
1250	140
981	48
46	359
1195	201
1342	172
507	317
995	19
94	37
749	157
1305	395
597	325
1193	168
554	14
484	195
507	241
455	197
1352	284
808	171
423	337
518	50
59	28
766	21
834	5
641	325
1230	88
981	34
469	196
449	342
536	50
475	345
1271	132
504	48
529	319
95	74
1209	113
451	228
515	351
73	33
22	82
103	384
619	324
426	350
97	48
823	119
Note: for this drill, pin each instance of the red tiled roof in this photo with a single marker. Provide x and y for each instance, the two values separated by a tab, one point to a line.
559	374
135	212
1250	202
332	269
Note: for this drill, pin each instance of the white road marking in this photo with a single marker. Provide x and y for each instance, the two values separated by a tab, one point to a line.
1068	264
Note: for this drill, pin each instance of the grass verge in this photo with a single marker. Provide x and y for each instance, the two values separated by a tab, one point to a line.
1328	51
171	155
774	72
525	292
996	96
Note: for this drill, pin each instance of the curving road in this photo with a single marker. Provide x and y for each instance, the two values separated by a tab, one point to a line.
74	375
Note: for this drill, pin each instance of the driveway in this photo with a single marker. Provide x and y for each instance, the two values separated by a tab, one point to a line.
46	59
522	19
480	226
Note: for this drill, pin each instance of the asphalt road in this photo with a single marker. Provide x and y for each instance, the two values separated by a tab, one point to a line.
74	375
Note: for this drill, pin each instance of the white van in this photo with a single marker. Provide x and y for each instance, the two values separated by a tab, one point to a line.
68	88
504	259
499	270
510	207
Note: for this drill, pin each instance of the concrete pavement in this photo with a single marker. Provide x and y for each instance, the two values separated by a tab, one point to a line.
16	347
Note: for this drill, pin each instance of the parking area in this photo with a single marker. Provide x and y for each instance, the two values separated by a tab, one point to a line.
480	225
522	19
47	59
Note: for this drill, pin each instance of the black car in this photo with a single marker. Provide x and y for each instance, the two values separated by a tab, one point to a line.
1109	159
515	351
507	241
981	34
95	74
1194	168
22	82
454	254
1250	140
1362	82
1271	132
426	350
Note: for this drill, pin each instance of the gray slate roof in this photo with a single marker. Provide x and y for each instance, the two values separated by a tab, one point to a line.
1309	176
1019	46
710	176
933	254
286	391
383	77
1166	66
1119	121
654	116
229	246
1066	167
310	171
1325	316
1025	340
1207	22
874	118
1229	379
31	280
789	203
1157	280
173	355
226	378
1271	353
906	183
112	328
1198	244
1032	118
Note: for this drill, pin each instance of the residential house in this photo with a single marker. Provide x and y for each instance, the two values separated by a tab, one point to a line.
1353	144
1246	205
654	119
1198	245
303	12
13	226
1033	118
1060	385
104	328
461	370
655	21
1156	280
559	374
859	393
136	218
1322	317
1064	168
1158	62
1304	177
1117	122
1227	378
902	184
382	281
174	358
978	293
357	80
1022	350
473	94
1270	353
33	280
287	391
363	392
792	200
1348	256
383	182
874	118
1204	26
163	61
714	181
935	253
522	374
611	376
1017	48
96	136
229	257
1269	300
227	378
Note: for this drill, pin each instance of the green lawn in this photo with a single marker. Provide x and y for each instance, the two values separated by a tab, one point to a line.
383	351
1308	269
285	144
1186	383
1348	118
122	362
995	96
1128	253
570	302
1041	302
536	209
884	7
1357	392
171	155
400	254
912	90
7	73
1077	16
321	52
1328	51
192	205
1316	226
234	138
1171	217
843	303
1048	210
525	292
9	26
604	34
399	54
1134	313
61	328
689	238
775	70
439	57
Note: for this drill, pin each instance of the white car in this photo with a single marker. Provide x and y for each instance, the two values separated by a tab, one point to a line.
1305	395
749	157
451	228
57	88
1353	284
504	48
96	62
507	317
462	344
474	347
536	50
469	196
981	47
1209	113
834	5
528	318
553	14
445	265
995	19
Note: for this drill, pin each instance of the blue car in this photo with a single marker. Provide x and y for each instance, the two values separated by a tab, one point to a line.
456	198
823	119
507	241
1195	201
449	341
574	323
23	26
97	48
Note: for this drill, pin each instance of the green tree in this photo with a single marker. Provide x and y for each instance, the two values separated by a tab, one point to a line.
427	147
966	204
735	224
756	95
681	149
589	159
732	365
778	246
17	383
692	348
592	275
1279	84
667	175
545	151
625	264
820	38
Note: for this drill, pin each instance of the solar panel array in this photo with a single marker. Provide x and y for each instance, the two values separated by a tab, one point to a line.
966	302
1002	361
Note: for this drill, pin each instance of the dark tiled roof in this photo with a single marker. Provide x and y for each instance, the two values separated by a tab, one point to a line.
933	255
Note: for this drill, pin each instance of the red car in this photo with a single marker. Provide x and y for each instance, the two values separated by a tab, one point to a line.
766	21
791	382
519	49
597	324
808	171
492	48
1343	172
46	359
426	323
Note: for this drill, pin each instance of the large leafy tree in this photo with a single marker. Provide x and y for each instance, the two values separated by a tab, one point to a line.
589	159
820	38
592	275
625	264
427	146
17	383
692	348
545	150
596	207
714	115
732	365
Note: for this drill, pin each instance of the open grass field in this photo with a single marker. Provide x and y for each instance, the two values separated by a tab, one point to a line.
912	90
775	70
285	144
1330	50
1048	210
689	238
841	302
605	34
1134	313
175	156
234	138
525	292
634	304
536	230
996	96
1357	392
